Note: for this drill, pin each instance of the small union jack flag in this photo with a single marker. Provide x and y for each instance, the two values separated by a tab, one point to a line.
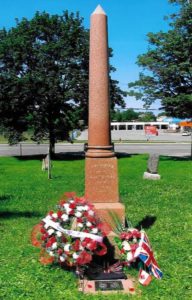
145	253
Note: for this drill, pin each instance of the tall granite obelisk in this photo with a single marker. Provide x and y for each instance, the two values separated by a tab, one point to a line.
101	174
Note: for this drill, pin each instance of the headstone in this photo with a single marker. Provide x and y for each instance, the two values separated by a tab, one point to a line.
101	175
152	167
45	163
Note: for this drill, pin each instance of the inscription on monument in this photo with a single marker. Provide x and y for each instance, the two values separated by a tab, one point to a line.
101	179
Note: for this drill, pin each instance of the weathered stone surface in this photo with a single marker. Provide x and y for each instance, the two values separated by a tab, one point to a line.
101	180
151	176
99	117
104	211
101	175
152	165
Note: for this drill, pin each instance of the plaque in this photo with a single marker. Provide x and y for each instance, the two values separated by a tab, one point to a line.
112	285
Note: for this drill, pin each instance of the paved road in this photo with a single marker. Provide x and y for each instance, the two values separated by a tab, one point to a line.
170	149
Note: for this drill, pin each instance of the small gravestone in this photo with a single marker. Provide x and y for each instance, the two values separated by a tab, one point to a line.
152	168
45	163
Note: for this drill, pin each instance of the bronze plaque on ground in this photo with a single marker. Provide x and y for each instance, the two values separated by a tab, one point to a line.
111	285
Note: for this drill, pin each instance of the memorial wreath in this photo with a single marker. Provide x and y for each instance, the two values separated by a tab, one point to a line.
71	235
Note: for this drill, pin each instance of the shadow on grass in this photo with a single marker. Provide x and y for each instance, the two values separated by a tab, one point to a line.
146	222
58	156
122	155
5	197
175	158
30	157
18	214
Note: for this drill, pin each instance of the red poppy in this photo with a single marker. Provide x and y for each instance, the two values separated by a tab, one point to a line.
72	205
76	245
126	235
84	258
86	241
59	213
79	220
101	251
104	228
80	200
92	245
60	251
50	242
43	230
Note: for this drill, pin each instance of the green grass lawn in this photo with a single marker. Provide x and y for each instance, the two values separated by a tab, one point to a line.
26	196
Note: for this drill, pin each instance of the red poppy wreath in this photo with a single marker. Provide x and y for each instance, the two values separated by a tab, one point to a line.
71	235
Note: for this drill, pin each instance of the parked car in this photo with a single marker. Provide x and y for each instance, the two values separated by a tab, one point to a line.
185	133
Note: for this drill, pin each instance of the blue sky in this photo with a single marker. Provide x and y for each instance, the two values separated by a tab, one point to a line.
128	23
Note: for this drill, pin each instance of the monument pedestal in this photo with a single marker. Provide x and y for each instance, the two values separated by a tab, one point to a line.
106	211
101	188
101	180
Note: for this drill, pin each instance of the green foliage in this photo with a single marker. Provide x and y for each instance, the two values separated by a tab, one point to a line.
44	77
123	116
26	196
167	66
147	117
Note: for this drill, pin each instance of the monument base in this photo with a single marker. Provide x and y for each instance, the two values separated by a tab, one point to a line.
151	176
106	211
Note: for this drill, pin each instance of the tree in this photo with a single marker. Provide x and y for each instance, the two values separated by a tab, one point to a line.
147	117
126	115
44	77
167	66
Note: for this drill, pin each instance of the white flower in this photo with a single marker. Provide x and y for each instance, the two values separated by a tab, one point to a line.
51	253
129	256
126	246
88	224
86	207
75	255
94	230
91	212
67	247
78	214
66	205
71	201
79	225
81	247
54	246
80	208
58	233
46	226
67	208
54	215
61	258
50	231
64	217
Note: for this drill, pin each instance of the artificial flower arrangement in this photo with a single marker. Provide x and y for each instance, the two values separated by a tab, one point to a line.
71	235
134	248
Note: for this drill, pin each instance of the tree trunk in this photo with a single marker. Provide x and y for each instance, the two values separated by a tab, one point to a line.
51	145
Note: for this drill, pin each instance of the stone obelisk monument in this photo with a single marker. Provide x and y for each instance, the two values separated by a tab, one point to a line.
101	174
